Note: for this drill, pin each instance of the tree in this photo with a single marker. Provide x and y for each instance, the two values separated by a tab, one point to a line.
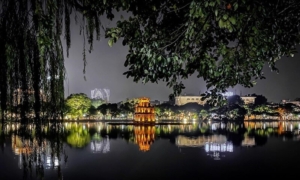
97	102
203	114
249	109
235	99
158	111
237	112
171	40
263	109
103	109
225	43
259	100
78	104
113	110
172	99
127	107
92	111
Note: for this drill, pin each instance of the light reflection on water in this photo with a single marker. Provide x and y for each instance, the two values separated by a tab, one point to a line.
38	151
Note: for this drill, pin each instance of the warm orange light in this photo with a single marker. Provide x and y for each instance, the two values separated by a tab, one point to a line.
144	112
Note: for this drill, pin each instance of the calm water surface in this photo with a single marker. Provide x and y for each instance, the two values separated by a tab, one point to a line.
189	151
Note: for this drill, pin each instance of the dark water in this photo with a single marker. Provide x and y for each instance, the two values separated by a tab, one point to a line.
189	151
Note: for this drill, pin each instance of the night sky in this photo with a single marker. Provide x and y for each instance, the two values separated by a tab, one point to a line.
106	66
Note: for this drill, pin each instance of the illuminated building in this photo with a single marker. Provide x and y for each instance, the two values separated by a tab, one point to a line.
144	137
248	99
144	112
297	103
182	100
101	94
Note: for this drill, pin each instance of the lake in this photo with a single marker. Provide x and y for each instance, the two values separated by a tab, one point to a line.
195	150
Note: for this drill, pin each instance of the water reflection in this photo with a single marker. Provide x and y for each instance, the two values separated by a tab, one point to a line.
77	135
213	144
43	147
99	145
144	137
37	148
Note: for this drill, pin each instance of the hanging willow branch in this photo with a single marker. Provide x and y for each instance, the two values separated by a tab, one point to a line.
32	61
168	40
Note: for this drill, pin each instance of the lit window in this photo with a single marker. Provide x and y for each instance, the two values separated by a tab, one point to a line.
192	98
188	99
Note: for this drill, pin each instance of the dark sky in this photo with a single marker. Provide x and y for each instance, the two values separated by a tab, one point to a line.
106	66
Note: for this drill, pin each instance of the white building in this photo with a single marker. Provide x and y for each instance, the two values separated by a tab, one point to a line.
297	103
182	100
248	99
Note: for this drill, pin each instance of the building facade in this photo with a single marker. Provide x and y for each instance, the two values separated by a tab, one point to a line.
182	100
248	99
297	103
144	112
155	103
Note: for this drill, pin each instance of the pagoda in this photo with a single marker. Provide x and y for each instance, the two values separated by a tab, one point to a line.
144	112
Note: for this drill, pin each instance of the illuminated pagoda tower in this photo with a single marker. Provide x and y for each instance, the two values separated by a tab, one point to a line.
144	137
144	113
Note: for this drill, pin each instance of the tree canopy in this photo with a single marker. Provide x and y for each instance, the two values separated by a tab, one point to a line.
225	42
78	104
260	100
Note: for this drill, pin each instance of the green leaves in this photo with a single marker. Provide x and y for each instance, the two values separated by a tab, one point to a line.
221	23
78	104
235	6
232	20
216	12
110	42
225	44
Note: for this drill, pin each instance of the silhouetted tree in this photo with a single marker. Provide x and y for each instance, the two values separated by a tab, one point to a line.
103	109
92	111
172	99
196	34
259	100
235	99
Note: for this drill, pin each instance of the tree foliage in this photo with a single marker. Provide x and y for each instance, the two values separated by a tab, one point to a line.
225	42
78	104
97	102
78	136
235	99
31	50
259	100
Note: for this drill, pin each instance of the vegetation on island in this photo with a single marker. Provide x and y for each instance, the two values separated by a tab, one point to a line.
234	109
224	42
